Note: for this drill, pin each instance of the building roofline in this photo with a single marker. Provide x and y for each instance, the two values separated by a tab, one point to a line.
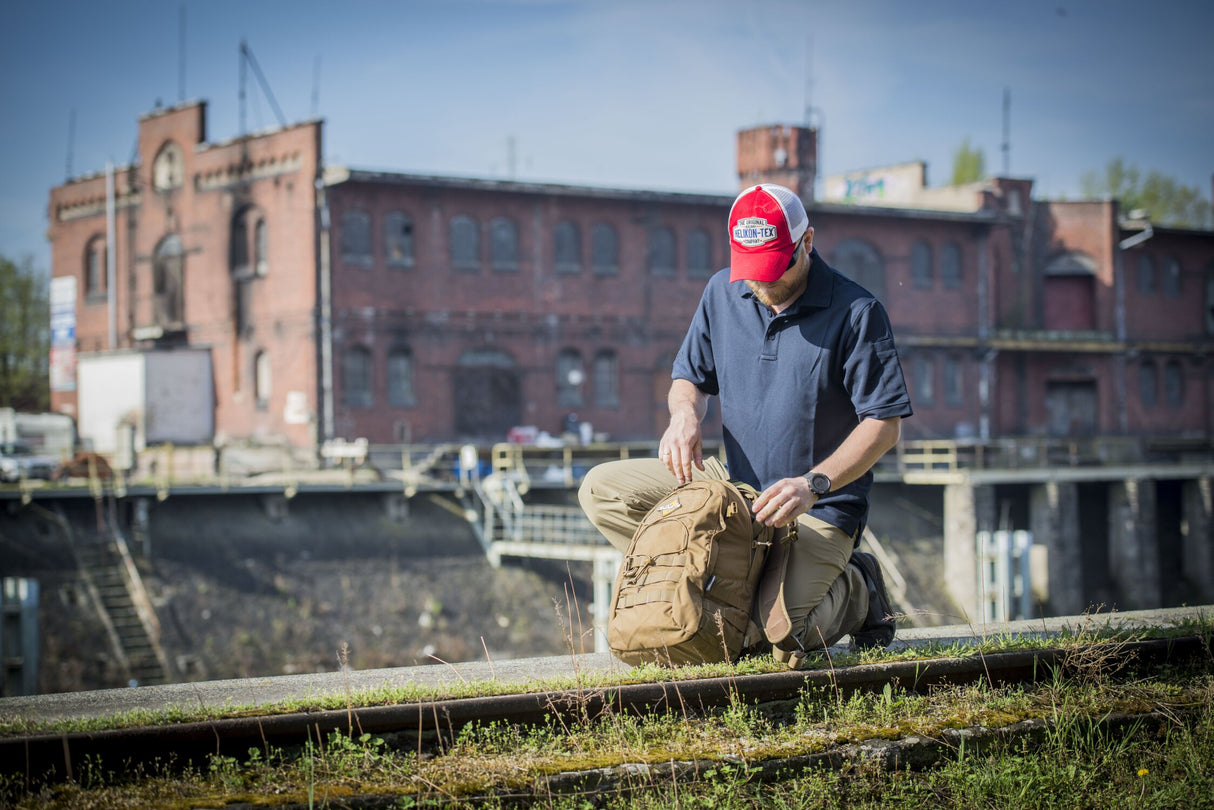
95	175
1139	225
261	133
172	108
982	216
337	175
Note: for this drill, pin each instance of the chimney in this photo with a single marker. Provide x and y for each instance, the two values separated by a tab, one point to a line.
787	155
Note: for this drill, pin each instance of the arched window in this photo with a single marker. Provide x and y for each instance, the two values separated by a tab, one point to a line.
356	377
604	249
168	168
261	262
262	382
398	239
168	283
488	387
1146	274
921	265
569	378
400	378
567	247
238	246
247	247
661	251
606	379
862	263
355	237
699	254
1171	277
1148	383
503	244
950	266
465	245
95	268
1173	384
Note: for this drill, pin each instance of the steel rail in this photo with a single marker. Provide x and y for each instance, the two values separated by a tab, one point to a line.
430	725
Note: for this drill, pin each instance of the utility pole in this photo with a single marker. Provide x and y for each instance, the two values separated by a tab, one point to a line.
1006	147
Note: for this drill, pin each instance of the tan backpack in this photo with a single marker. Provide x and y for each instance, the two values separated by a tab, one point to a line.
687	584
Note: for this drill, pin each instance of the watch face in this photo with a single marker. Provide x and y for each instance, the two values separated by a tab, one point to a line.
819	483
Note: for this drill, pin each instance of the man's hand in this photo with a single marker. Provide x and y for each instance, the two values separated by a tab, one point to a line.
783	502
682	446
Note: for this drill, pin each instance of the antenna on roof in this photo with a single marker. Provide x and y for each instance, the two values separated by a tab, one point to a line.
181	56
1006	146
248	60
71	140
316	87
809	79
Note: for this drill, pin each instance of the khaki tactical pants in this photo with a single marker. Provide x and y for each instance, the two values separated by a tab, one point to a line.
826	598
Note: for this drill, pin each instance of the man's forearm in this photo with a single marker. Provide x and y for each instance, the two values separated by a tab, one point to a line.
870	440
685	401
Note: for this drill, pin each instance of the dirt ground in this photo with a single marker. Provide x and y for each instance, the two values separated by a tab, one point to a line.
285	617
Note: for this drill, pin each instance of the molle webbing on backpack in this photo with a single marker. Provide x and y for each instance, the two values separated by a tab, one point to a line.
686	586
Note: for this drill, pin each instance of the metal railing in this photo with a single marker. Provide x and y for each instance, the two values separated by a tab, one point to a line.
415	467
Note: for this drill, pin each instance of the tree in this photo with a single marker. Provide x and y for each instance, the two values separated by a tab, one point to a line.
24	337
969	164
1164	199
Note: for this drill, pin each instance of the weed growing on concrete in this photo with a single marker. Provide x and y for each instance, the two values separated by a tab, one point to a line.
725	758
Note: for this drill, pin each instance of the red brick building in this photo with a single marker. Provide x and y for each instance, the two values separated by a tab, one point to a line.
215	248
342	303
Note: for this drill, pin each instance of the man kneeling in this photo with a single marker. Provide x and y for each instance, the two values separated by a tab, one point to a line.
811	395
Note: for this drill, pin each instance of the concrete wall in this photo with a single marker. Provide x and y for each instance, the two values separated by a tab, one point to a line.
1197	529
1054	510
967	510
1133	544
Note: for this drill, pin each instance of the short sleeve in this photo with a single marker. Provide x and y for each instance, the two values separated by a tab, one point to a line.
872	372
695	361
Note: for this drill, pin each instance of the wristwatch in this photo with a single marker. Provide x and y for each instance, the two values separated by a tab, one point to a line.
819	483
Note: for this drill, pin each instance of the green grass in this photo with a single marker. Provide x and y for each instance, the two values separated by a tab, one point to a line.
1075	762
394	696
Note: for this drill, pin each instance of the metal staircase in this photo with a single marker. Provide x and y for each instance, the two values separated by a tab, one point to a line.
507	526
125	609
116	589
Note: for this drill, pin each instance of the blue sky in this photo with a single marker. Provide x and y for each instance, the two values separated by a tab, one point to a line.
625	93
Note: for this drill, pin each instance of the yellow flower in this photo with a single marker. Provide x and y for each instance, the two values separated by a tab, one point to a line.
1143	771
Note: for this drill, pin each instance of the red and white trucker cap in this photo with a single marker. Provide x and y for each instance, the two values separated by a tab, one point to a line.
765	225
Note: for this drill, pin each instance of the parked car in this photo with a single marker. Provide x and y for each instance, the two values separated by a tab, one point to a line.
82	465
18	461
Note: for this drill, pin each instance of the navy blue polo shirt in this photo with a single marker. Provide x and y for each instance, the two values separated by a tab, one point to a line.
793	386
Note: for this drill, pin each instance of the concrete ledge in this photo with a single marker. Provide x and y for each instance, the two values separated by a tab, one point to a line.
524	672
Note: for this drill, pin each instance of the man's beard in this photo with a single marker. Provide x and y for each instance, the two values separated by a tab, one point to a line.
774	293
771	294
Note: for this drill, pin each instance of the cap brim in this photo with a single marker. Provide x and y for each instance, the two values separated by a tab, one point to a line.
760	265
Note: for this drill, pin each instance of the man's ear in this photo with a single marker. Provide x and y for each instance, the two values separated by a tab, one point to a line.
808	239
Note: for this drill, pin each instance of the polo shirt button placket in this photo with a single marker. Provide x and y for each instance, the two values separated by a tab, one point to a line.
770	341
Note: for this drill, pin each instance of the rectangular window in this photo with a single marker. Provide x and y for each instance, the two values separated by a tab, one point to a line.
606	380
924	372
1148	383
569	378
953	397
356	377
400	379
